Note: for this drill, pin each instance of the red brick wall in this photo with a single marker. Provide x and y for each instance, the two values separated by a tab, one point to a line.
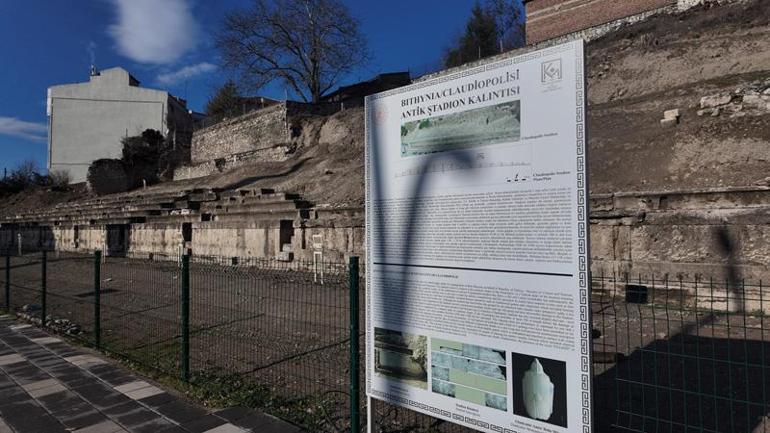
547	19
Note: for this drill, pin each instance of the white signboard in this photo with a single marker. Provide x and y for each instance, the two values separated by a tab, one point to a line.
477	235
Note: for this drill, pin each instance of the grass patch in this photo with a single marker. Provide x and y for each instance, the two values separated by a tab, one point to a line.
315	413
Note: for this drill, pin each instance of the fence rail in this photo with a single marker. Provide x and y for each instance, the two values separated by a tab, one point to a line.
670	355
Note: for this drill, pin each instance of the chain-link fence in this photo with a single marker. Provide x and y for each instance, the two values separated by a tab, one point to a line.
670	354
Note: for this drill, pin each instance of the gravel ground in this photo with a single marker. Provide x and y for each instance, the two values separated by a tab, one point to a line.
662	365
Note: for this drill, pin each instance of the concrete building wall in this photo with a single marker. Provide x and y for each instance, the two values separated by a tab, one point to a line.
547	19
88	120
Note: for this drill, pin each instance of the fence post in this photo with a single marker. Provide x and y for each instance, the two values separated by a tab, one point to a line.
185	317
8	283
97	299
355	401
44	288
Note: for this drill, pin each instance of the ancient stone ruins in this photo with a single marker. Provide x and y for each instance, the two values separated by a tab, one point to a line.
679	152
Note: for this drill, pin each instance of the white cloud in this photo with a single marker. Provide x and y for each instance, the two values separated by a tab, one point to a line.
170	78
154	31
19	128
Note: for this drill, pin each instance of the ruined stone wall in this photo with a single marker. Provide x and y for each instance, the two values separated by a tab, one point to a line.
676	233
52	237
262	135
229	162
154	238
64	238
258	130
341	233
236	239
92	238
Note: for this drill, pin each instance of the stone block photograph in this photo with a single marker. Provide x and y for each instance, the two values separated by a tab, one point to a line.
401	356
471	373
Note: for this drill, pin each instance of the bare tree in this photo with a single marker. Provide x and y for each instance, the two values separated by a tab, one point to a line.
510	22
307	44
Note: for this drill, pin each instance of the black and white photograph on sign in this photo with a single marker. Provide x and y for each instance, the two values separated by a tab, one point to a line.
401	356
540	389
463	130
471	373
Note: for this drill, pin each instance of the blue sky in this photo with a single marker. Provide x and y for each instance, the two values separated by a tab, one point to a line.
167	45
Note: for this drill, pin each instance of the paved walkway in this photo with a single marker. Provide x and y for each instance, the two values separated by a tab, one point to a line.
48	386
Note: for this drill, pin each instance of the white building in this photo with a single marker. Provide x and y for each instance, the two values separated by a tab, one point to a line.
86	121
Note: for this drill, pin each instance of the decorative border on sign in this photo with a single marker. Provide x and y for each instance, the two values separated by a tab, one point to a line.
369	355
473	71
582	213
436	412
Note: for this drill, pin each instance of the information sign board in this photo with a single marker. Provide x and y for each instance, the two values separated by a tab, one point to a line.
477	245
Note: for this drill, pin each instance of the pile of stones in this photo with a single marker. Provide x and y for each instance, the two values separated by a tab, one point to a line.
752	100
31	313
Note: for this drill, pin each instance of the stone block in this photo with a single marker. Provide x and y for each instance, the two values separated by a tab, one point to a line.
753	100
712	101
284	256
671	114
668	123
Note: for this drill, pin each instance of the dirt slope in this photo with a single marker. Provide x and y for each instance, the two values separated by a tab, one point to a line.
669	62
327	167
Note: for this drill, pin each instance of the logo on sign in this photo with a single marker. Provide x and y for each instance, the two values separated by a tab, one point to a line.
551	71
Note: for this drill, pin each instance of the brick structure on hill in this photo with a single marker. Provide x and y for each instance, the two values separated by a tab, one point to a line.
548	19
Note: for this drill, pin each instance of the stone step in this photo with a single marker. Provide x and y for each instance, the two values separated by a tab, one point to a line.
269	200
255	216
216	207
284	256
287	248
203	196
121	199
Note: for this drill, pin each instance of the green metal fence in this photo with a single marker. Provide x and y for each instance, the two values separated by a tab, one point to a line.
671	354
241	330
681	354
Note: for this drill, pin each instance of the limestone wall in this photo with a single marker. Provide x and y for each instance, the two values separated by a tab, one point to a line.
226	163
155	238
340	233
262	135
260	132
677	233
236	239
257	130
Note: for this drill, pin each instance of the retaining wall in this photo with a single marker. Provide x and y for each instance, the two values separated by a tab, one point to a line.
668	232
262	135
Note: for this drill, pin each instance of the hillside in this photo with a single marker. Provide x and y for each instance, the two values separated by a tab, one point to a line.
635	74
669	62
326	168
